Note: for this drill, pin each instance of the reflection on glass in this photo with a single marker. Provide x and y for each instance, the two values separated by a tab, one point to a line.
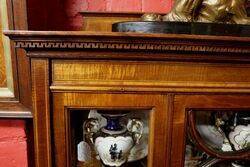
226	132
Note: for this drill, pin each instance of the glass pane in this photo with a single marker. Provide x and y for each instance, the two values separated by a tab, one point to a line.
109	137
224	133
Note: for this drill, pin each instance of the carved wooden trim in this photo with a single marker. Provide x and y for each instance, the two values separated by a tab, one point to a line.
138	87
128	46
14	110
139	46
129	42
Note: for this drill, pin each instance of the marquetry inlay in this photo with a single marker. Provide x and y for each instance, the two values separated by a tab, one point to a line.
131	42
136	45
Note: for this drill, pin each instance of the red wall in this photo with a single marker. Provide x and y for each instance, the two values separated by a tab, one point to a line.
64	14
60	15
13	144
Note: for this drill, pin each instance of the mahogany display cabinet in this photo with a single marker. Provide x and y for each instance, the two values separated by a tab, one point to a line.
193	89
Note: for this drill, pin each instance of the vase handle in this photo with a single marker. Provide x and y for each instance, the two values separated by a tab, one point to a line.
90	127
136	127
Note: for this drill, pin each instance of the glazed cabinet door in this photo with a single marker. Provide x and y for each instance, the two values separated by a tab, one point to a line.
72	112
211	130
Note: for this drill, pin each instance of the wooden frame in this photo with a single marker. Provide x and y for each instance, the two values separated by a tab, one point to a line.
6	83
243	154
183	121
155	104
18	104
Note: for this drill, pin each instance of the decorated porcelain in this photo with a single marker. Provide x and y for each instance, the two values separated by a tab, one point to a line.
114	141
113	151
140	150
240	137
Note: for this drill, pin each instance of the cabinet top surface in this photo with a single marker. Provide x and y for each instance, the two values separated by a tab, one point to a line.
78	34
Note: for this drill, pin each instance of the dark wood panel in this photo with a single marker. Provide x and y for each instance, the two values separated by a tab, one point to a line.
22	62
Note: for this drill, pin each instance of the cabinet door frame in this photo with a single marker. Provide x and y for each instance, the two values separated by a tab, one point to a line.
183	104
159	121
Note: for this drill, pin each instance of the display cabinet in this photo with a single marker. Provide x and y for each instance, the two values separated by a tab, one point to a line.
188	96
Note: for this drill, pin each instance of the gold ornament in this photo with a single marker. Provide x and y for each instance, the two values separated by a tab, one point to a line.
210	11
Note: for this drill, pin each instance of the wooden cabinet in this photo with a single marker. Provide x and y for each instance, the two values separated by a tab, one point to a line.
168	76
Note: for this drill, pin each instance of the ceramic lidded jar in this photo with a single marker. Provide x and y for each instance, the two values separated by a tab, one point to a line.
240	135
114	141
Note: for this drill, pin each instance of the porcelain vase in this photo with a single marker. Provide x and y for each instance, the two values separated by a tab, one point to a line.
114	141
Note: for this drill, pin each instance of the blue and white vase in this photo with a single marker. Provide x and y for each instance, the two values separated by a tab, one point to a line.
114	141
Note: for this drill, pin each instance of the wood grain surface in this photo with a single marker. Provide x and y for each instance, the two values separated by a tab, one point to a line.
149	76
41	112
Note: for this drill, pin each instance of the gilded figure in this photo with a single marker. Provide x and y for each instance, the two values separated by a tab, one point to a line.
239	12
183	10
210	11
